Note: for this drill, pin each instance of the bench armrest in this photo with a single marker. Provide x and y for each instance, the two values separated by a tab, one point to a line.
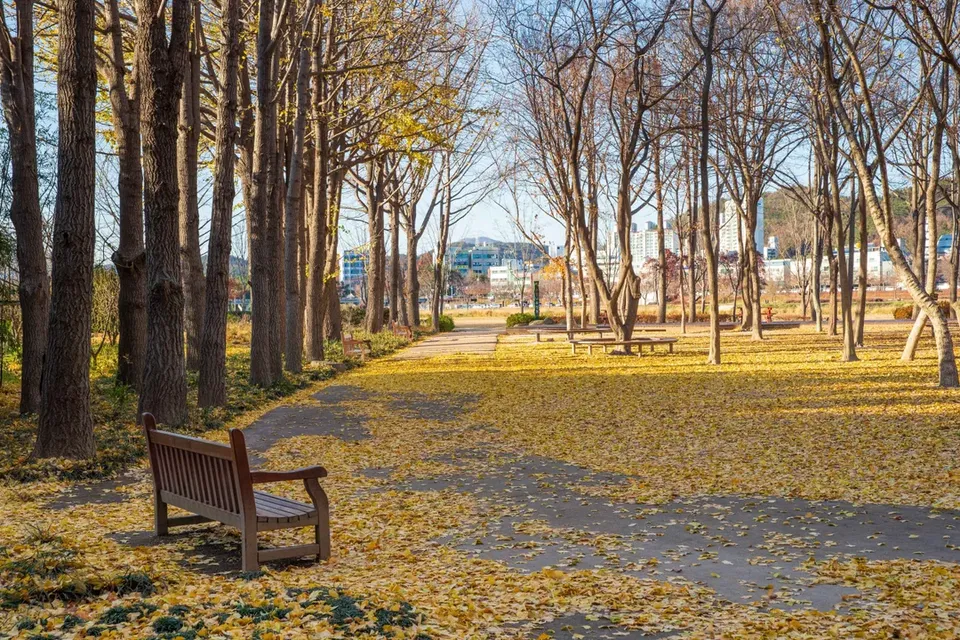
306	473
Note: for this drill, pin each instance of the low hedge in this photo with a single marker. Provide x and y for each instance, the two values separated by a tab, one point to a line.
446	322
515	319
905	311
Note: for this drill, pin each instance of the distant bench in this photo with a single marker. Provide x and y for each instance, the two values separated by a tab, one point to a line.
598	331
401	330
356	347
590	343
571	332
214	481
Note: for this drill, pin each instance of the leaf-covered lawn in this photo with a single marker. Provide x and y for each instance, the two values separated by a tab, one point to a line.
781	418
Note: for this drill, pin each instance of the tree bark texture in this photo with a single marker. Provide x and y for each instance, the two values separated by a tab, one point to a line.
160	70
17	92
65	427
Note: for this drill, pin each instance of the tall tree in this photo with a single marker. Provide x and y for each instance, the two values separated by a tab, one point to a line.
161	57
263	214
129	259
188	148
213	348
293	204
19	110
706	45
65	428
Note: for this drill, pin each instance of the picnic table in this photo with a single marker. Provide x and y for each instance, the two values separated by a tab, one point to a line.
599	330
590	343
571	332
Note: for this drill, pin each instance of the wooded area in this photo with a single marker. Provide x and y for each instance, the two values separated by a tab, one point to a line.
407	117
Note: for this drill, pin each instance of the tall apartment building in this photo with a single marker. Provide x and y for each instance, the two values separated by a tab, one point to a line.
731	224
643	243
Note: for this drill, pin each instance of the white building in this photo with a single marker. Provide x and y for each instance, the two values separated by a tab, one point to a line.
643	244
506	276
778	271
730	223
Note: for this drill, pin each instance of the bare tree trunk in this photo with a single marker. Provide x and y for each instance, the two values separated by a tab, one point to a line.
568	284
661	239
261	218
754	270
317	222
591	314
815	285
129	259
17	92
843	275
692	239
930	214
709	249
293	212
160	68
306	205
276	196
376	267
332	321
862	272
441	252
65	428
213	347
413	278
188	146
395	284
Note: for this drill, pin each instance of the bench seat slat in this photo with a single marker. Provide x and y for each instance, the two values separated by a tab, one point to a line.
272	508
232	519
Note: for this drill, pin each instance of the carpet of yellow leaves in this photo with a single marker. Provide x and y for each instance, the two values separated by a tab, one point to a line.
784	417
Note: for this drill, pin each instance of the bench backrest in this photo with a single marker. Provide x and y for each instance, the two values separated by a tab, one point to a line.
200	471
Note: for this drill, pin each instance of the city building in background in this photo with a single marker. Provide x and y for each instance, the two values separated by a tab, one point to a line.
643	243
353	267
732	227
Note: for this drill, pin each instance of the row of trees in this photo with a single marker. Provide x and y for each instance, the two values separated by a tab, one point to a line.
309	106
676	105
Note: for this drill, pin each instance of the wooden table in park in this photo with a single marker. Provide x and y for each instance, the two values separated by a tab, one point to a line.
590	343
572	332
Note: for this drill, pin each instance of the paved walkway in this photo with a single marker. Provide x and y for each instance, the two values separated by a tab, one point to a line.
475	336
747	549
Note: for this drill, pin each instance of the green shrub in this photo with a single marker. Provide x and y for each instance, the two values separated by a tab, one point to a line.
903	312
516	319
446	322
352	315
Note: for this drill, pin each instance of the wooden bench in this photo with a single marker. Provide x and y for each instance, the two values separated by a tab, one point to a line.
355	347
214	481
401	330
590	343
570	333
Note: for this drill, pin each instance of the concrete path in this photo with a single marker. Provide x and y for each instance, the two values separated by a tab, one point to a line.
474	336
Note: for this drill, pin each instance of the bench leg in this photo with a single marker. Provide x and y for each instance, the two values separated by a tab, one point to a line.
573	348
160	520
322	503
670	347
250	559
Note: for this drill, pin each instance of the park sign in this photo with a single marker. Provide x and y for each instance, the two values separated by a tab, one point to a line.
536	299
